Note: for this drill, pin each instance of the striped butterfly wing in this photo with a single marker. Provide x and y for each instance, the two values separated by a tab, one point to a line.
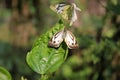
64	9
56	39
70	40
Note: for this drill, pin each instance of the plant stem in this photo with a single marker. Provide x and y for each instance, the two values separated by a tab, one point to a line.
44	77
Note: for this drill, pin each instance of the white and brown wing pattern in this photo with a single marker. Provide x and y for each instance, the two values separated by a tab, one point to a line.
60	7
70	40
56	40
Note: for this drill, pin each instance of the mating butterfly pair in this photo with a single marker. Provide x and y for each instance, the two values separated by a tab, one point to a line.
65	35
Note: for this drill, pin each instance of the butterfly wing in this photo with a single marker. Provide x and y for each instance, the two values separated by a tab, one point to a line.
56	40
64	9
74	14
70	40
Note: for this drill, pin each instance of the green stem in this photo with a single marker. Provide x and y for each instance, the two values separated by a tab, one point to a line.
44	77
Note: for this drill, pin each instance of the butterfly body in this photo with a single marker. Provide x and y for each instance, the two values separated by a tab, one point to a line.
61	36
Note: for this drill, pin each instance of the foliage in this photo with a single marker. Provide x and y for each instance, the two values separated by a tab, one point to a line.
98	57
44	59
4	74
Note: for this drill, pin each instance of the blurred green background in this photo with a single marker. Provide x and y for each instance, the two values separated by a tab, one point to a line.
97	31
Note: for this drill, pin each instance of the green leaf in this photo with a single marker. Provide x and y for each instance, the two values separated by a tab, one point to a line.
115	8
4	74
43	59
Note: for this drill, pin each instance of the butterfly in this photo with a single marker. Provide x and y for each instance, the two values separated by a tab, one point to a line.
66	10
61	36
